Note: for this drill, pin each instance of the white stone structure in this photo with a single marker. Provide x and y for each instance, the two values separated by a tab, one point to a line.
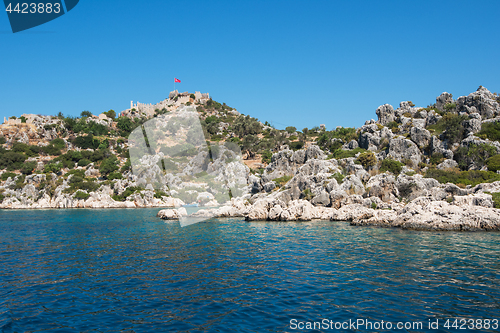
174	100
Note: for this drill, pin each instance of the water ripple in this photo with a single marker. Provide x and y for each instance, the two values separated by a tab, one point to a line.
125	270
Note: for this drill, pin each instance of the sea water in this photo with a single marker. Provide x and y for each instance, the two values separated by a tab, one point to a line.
119	270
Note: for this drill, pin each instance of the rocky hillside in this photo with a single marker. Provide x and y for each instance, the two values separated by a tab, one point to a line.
447	152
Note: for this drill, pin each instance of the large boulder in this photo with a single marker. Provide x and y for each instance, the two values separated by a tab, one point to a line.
383	186
420	136
436	146
322	199
477	199
402	149
369	141
352	185
443	99
298	210
473	124
411	187
337	197
385	114
481	101
172	214
447	164
257	214
275	213
351	212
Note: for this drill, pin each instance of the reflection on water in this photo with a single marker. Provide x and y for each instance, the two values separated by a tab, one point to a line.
119	270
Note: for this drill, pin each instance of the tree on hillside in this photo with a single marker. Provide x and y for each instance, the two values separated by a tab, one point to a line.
245	125
125	124
109	165
249	145
291	129
110	114
86	114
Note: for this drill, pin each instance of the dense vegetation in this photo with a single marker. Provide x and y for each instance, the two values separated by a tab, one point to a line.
462	178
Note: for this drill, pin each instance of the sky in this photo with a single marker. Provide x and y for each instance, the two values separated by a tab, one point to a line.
292	63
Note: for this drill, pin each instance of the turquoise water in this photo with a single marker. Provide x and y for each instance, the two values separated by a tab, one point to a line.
125	270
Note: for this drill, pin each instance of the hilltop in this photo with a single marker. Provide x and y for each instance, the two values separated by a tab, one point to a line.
447	152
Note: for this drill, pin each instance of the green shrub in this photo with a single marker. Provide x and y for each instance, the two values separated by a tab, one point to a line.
374	205
338	177
477	154
109	165
392	125
12	161
33	151
450	106
73	155
6	175
53	167
2	140
30	151
86	142
296	145
436	158
28	168
307	194
76	179
58	143
496	199
367	159
19	147
115	175
490	131
246	125
111	114
79	182
282	180
81	195
340	153
128	191
51	150
99	155
291	129
128	165
86	114
392	166
451	125
159	194
266	156
493	163
462	178
79	173
325	139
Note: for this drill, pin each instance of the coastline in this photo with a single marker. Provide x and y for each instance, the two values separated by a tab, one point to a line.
467	213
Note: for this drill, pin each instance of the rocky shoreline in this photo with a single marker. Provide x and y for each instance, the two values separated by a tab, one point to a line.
432	168
472	211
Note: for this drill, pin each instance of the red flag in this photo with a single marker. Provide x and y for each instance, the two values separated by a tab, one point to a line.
177	80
